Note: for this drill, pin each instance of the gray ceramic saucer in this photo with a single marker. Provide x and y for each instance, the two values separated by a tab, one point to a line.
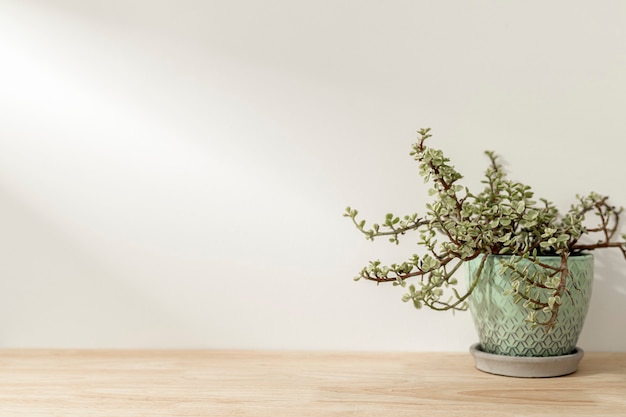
526	367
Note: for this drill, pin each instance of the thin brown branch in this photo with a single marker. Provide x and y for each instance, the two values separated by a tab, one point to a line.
620	245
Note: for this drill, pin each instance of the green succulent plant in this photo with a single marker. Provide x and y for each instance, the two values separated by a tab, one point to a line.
502	219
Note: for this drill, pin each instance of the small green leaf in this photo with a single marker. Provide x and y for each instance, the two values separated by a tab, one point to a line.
563	238
531	215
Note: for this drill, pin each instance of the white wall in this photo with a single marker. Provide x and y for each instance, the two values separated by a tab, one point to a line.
173	173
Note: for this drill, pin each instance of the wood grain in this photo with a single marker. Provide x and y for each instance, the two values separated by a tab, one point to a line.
237	383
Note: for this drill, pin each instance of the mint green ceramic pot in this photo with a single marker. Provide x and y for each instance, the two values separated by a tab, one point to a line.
501	323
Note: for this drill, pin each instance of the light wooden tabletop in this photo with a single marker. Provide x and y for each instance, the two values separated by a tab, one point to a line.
96	383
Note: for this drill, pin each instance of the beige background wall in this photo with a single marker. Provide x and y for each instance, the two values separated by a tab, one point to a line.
173	173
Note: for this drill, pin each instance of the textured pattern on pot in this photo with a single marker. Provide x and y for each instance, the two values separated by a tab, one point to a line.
501	319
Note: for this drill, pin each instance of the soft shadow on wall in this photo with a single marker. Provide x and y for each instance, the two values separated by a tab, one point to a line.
57	293
604	328
217	144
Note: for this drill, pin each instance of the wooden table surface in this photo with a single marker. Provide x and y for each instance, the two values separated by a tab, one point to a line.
95	383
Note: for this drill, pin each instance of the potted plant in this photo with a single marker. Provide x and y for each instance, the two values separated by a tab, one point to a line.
529	269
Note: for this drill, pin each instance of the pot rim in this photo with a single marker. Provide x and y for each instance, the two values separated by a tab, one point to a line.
571	256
